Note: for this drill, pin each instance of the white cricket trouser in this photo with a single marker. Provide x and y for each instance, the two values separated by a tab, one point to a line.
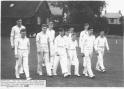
22	60
87	64
62	59
43	56
21	70
73	60
100	55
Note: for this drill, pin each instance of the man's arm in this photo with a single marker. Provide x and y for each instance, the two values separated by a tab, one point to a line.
28	46
37	42
49	47
53	36
12	38
82	45
106	44
16	48
77	45
96	44
80	39
67	46
55	45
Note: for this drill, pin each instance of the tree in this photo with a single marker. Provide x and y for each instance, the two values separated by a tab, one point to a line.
82	11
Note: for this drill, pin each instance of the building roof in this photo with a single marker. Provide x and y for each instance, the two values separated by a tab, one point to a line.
19	8
55	10
112	15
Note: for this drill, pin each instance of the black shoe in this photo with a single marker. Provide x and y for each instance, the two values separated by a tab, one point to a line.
103	71
92	77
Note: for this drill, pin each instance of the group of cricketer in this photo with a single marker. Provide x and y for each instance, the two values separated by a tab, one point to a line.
61	49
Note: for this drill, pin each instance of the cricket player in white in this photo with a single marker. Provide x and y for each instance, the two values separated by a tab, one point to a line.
88	46
100	44
22	50
15	34
51	35
61	53
67	40
73	54
42	42
83	34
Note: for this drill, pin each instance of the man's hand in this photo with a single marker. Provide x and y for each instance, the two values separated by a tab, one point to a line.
57	53
82	54
97	53
38	52
12	47
16	56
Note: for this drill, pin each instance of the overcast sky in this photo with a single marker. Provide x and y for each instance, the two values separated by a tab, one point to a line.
115	6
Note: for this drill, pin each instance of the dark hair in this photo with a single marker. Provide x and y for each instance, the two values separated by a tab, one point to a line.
23	30
71	27
51	22
86	24
19	20
44	25
90	27
101	31
74	33
61	29
66	30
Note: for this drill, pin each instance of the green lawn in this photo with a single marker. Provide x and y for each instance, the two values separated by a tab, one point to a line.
113	62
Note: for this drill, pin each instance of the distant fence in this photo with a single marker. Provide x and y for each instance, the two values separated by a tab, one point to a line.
115	30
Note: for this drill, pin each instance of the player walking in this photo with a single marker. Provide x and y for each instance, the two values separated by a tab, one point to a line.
51	35
100	44
42	42
83	34
67	40
61	53
73	54
87	49
22	50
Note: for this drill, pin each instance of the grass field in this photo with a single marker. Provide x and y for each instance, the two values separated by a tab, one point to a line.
113	62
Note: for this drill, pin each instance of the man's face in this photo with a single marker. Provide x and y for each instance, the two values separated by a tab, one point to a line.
51	25
102	33
90	31
74	37
86	27
71	30
19	23
61	33
67	33
44	29
23	34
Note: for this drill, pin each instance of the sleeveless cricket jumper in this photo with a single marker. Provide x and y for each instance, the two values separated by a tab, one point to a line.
100	44
42	47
